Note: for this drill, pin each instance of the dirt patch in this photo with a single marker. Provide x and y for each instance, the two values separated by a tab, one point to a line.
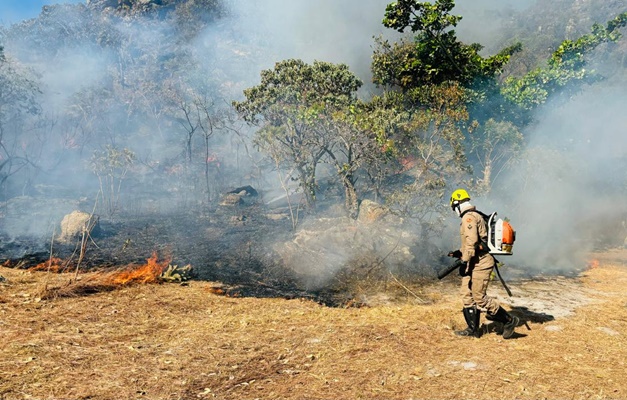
171	341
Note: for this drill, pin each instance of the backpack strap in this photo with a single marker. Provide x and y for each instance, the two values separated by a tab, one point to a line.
486	217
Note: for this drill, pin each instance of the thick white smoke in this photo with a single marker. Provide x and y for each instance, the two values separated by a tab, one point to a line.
569	188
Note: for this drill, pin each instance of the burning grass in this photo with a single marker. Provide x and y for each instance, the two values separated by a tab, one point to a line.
147	273
191	342
100	281
54	264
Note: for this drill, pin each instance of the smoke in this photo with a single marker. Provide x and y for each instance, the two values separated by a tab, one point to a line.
76	57
483	20
564	196
568	190
268	31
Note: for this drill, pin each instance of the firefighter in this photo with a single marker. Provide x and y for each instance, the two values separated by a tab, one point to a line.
476	267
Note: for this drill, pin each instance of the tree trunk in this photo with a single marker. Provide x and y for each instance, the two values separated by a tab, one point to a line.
308	184
350	197
486	182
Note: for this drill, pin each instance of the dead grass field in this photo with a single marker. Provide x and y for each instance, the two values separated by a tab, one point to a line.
190	342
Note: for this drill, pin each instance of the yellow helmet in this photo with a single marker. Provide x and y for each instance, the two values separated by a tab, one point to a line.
459	195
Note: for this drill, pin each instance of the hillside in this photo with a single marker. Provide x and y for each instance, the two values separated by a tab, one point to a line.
192	341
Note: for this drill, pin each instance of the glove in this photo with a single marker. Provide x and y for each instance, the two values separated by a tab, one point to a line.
464	269
455	254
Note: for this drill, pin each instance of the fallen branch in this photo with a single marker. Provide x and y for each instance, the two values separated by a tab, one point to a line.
407	289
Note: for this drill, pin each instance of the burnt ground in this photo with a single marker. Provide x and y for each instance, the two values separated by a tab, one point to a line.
229	244
232	246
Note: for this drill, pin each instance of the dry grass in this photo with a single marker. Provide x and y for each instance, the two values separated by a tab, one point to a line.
189	342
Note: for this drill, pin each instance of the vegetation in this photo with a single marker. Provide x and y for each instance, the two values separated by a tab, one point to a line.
18	103
566	69
444	112
298	103
197	341
111	166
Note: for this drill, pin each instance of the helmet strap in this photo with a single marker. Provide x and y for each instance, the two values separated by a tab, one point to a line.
456	208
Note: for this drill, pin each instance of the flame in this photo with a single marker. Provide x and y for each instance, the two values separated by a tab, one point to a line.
54	264
147	273
593	263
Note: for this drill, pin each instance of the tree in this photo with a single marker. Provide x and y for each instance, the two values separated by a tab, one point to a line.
357	148
183	110
213	116
111	166
566	71
436	55
192	16
542	26
494	145
442	76
18	99
428	140
294	103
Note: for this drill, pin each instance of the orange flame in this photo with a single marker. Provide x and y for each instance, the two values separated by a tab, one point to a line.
593	263
54	264
147	273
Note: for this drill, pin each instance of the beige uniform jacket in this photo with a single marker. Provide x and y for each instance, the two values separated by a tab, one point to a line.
473	230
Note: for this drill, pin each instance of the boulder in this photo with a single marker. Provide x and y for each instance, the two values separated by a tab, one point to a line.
244	195
370	211
76	223
231	199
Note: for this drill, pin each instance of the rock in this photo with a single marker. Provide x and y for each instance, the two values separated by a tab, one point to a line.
232	199
319	251
238	220
75	223
277	217
244	191
244	195
370	211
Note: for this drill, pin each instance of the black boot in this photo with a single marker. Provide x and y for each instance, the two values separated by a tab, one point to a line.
510	322
495	325
471	315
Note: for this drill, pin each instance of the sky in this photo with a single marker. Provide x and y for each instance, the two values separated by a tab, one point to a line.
12	11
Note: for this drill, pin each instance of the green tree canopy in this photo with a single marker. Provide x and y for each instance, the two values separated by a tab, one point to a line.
566	69
435	55
293	104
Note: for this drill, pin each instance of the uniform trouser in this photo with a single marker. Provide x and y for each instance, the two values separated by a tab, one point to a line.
474	291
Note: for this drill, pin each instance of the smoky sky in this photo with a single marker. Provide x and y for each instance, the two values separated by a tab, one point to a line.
326	30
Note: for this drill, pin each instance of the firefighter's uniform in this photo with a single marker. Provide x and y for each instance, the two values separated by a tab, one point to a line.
473	231
478	266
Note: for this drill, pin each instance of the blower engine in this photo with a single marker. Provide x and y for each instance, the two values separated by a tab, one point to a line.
501	236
